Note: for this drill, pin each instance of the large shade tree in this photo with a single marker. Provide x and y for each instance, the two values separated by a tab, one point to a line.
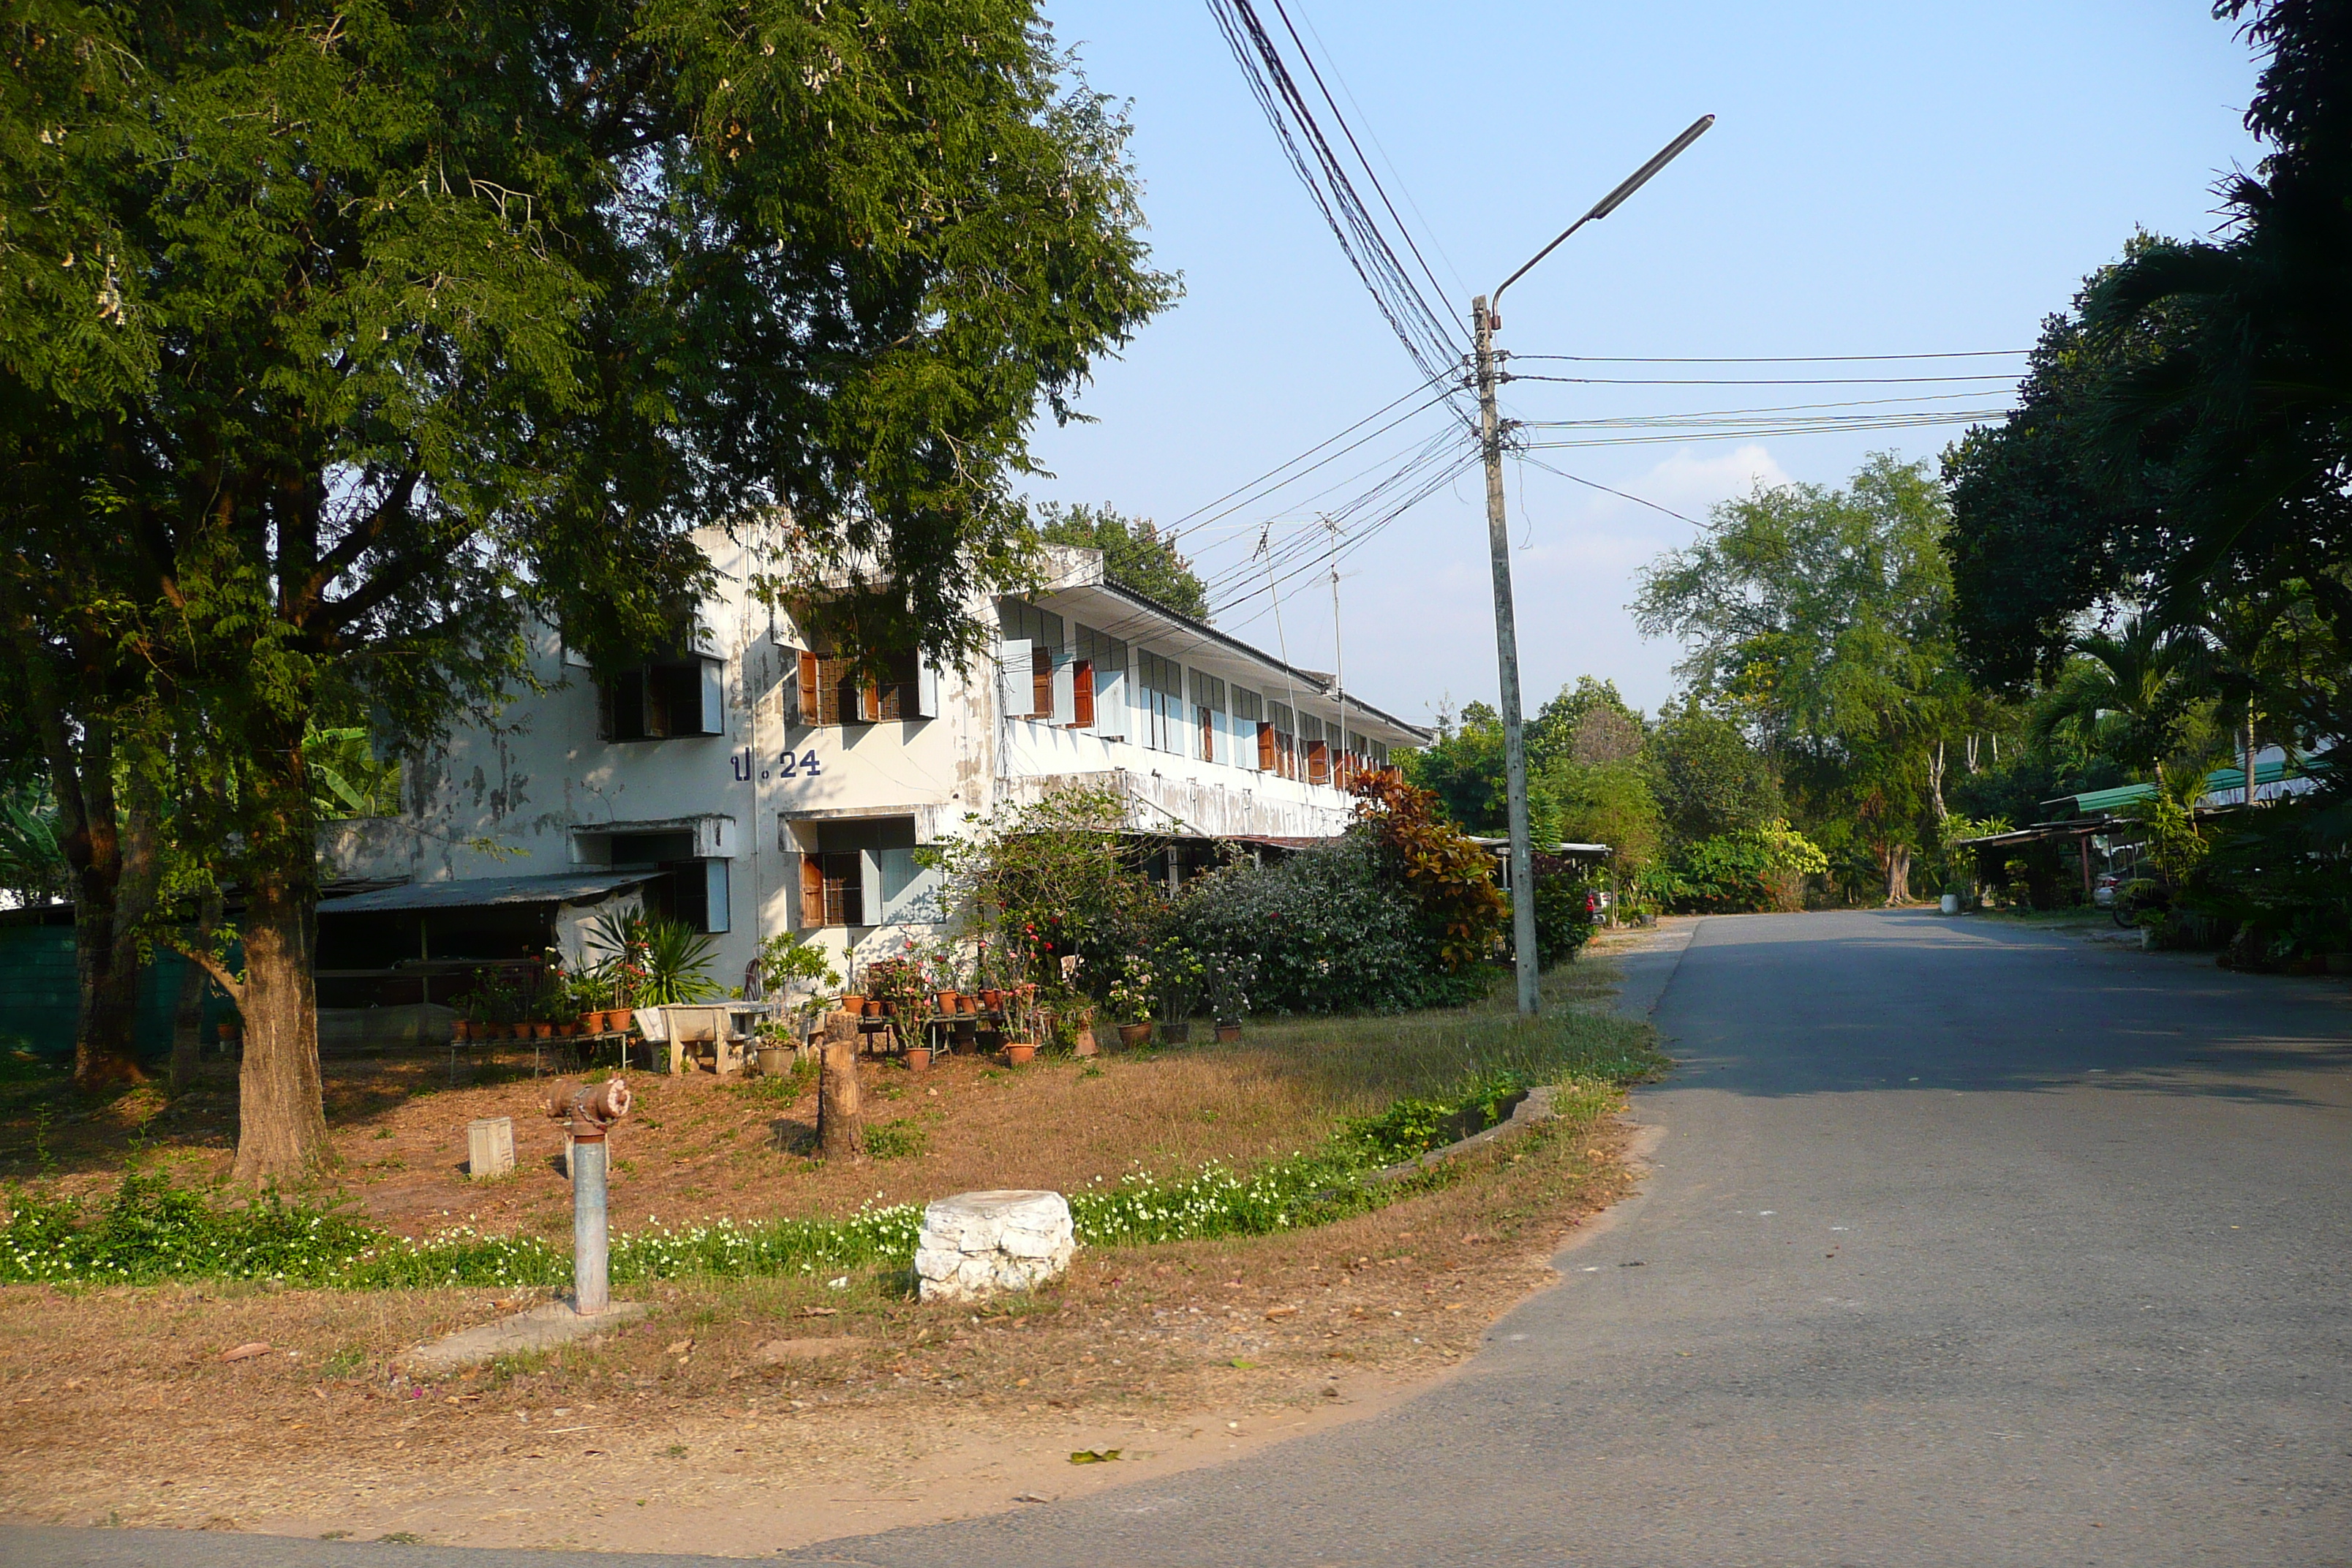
381	331
1821	617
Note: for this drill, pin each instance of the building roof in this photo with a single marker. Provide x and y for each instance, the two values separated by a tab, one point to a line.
2220	781
1081	572
477	892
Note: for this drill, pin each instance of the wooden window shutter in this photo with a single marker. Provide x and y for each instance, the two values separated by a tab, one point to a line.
832	678
1082	694
1041	681
1318	762
1265	758
812	888
808	714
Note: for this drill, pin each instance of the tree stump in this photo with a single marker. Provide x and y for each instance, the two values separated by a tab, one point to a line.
840	1116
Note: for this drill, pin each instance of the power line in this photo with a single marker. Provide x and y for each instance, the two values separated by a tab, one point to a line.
1767	359
1762	432
1725	412
1428	335
1345	129
1258	489
1620	495
1757	381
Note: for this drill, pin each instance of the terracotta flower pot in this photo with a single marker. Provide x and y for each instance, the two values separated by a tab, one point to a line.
1228	1033
951	1001
542	1031
853	1005
919	1058
1019	1052
461	1029
1133	1035
590	1024
992	1000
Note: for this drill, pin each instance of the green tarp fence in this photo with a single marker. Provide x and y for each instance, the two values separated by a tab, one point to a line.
37	1000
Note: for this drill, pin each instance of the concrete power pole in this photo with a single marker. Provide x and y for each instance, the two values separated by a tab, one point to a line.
1507	657
1483	320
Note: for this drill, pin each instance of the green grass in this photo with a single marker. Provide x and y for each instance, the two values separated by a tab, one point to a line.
1402	1084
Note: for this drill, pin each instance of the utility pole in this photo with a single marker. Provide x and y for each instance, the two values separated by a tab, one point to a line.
1507	657
1339	664
1485	320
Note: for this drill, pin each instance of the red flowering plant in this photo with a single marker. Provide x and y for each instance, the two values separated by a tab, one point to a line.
1056	878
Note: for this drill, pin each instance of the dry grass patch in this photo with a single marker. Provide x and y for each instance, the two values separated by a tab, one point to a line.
134	1417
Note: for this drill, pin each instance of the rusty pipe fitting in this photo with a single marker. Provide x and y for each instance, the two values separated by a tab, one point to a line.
591	1109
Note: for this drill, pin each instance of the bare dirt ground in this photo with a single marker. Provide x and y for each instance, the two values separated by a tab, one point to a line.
751	1416
746	1417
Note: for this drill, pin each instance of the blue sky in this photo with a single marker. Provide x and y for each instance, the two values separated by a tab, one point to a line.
1882	179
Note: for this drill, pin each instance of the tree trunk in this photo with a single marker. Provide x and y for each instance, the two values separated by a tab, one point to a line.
281	1107
1935	782
840	1115
113	880
1899	874
188	1013
2249	780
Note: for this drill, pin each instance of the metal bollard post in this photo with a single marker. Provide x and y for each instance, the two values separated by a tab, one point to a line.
590	1237
590	1111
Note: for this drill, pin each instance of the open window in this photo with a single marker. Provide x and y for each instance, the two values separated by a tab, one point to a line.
834	691
864	872
664	699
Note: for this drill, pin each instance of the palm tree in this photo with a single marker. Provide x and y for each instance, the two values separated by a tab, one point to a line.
2121	695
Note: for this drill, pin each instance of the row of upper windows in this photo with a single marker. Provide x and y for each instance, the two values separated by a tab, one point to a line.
1088	681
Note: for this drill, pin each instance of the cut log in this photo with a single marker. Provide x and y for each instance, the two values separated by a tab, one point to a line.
840	1115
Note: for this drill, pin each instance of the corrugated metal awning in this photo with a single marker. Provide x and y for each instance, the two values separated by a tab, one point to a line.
477	892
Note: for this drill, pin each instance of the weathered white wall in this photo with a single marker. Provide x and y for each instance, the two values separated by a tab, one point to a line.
507	798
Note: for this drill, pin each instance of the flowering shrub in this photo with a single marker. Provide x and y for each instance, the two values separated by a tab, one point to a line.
1328	931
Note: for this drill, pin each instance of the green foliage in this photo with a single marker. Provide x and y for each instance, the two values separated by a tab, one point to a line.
1448	877
654	963
902	1140
1415	1125
1326	930
1563	908
150	1231
346	778
1136	555
2128	696
1055	877
341	349
790	957
1759	869
2041	530
1706	777
32	860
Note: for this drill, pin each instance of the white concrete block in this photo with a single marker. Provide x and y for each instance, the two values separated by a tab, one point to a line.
489	1146
978	1245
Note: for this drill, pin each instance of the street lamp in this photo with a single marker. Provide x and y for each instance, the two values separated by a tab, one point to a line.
1485	320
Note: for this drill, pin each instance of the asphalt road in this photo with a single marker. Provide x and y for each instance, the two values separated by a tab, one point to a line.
1968	1244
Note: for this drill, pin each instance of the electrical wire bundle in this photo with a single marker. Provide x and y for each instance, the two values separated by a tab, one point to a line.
1429	334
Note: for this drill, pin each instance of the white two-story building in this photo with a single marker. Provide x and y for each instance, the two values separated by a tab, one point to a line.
750	785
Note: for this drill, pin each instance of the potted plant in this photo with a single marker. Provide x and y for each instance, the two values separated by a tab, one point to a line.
1179	973
1226	983
1021	1032
1131	1001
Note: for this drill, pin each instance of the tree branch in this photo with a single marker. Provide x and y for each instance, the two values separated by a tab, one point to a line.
356	541
228	982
